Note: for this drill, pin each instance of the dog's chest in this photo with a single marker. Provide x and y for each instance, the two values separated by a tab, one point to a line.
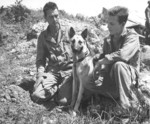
85	68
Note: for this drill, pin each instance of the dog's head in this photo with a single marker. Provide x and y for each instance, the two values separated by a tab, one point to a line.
78	41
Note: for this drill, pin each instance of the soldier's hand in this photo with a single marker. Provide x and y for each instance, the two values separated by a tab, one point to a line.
96	57
96	70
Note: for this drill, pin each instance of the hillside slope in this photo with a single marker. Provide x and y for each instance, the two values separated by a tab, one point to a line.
18	71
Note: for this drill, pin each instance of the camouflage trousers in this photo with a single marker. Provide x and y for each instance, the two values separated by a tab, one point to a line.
119	84
54	86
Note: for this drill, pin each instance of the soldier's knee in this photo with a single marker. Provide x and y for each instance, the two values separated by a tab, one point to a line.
38	96
35	96
118	66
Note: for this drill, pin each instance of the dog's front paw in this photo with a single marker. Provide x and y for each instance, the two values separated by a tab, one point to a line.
74	113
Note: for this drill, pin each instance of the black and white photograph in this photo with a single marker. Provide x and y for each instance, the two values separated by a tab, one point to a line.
74	61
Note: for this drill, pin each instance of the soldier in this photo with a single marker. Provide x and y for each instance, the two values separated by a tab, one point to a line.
120	59
54	78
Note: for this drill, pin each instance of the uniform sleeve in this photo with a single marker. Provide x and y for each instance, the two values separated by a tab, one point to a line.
128	50
41	55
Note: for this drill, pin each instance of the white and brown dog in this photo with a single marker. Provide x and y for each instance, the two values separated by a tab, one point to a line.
83	66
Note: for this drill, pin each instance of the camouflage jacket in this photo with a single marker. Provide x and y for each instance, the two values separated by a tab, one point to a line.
51	54
127	49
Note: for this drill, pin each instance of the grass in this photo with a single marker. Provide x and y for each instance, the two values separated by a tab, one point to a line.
57	117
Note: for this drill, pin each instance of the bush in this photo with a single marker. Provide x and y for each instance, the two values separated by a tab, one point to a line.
80	17
64	14
37	15
16	13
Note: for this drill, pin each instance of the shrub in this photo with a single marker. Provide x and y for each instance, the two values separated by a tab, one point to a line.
64	14
80	17
16	13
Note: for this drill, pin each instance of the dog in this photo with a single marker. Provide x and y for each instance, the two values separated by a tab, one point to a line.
83	66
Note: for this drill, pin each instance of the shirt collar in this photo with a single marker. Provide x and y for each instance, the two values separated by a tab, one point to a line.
48	36
48	30
124	32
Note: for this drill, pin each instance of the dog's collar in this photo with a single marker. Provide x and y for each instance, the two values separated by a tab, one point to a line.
81	59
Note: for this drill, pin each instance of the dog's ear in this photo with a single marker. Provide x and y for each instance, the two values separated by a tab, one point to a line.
84	34
71	32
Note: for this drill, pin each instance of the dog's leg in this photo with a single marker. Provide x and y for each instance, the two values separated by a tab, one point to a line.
73	95
80	93
74	88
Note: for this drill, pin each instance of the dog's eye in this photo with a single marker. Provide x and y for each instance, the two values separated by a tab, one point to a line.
80	42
